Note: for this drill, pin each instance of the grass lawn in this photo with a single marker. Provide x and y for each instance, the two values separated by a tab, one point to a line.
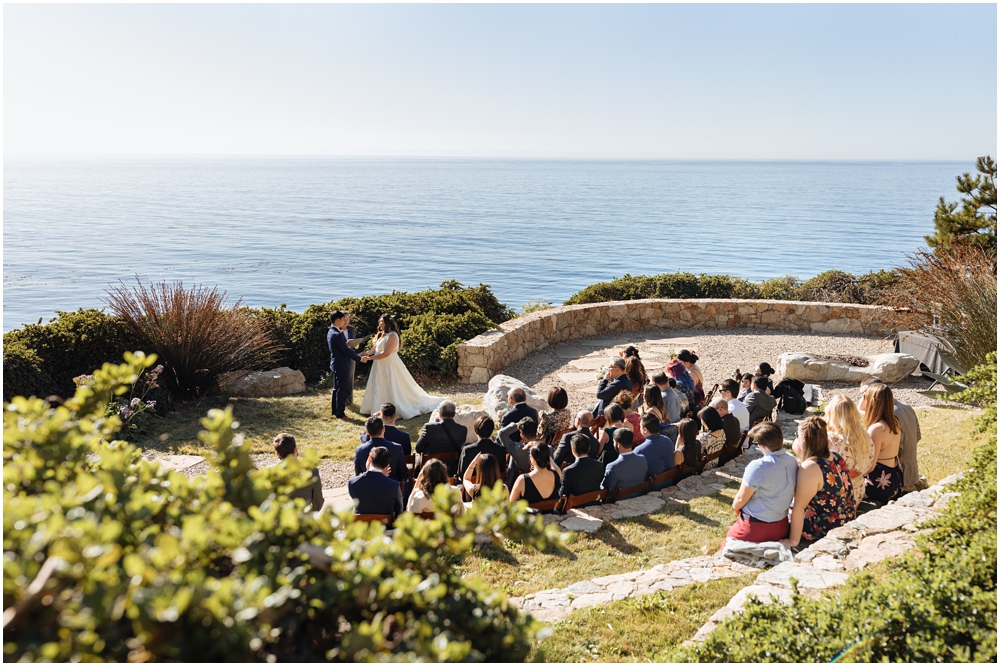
639	629
948	441
306	415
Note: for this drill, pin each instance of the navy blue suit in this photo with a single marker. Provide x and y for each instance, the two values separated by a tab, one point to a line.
394	434
627	471
376	493
398	458
658	451
606	392
340	365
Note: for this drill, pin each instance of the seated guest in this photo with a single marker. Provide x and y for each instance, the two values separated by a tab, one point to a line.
909	436
614	415
615	381
850	440
685	383
484	472
628	469
483	427
634	369
542	482
690	361
765	370
564	450
746	387
670	401
312	492
730	424
823	496
376	437
585	474
884	479
444	437
631	417
760	404
374	490
687	449
657	449
558	418
652	403
519	408
729	390
713	435
431	475
526	431
388	415
767	489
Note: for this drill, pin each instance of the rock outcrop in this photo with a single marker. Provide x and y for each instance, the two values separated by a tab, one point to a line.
464	415
890	368
263	383
495	400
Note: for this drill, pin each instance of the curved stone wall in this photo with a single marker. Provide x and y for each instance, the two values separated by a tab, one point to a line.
486	355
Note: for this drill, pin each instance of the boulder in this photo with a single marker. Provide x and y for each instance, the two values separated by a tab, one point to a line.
464	415
263	383
495	400
890	368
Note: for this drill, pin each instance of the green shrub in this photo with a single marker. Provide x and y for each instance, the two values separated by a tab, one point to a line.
936	604
107	558
427	336
71	344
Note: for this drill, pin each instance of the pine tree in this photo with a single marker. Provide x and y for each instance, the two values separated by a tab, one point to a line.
976	220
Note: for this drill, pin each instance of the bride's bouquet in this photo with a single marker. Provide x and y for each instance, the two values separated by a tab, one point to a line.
603	370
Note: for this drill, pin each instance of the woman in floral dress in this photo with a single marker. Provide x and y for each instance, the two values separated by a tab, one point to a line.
558	418
824	498
849	438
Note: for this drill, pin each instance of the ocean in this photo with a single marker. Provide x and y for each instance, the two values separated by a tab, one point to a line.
309	230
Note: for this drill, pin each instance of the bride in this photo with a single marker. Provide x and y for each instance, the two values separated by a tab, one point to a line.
389	380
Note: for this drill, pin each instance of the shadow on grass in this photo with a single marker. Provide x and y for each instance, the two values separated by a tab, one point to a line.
610	535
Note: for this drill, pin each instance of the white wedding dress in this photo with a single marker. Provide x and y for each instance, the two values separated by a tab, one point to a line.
390	381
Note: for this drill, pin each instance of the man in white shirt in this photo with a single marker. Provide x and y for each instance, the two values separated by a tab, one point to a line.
730	389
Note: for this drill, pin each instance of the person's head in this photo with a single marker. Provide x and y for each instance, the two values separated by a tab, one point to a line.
760	383
729	389
284	445
388	413
672	383
630	352
431	475
483	427
687	437
660	379
880	406
765	369
486	469
528	427
710	419
767	435
866	384
624	398
386	324
635	371
517	396
650	425
811	440
581	445
339	318
616	367
623	440
746	381
557	398
446	409
720	405
374	427
584	419
541	455
614	413
688	358
843	418
651	397
379	458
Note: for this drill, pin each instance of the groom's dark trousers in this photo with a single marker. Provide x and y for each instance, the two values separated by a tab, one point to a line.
340	365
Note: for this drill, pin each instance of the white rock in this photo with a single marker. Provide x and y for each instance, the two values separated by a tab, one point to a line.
890	368
263	383
764	593
464	415
878	547
582	524
495	400
808	576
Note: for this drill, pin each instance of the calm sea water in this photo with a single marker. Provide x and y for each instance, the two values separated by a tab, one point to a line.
304	230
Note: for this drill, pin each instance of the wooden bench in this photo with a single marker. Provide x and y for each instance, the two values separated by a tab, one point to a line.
547	506
638	489
554	440
573	501
384	518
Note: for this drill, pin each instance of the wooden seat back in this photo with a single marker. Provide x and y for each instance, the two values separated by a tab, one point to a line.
552	441
638	489
384	518
573	501
426	515
669	475
547	506
597	424
411	464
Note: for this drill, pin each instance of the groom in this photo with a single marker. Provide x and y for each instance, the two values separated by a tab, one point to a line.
341	360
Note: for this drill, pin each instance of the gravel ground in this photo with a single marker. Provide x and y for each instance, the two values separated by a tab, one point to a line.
332	474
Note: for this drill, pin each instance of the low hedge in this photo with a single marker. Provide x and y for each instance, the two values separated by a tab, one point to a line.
936	604
831	286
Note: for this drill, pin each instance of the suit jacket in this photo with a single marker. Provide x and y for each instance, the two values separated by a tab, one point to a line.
909	435
470	451
312	493
583	476
376	493
628	470
731	426
659	454
564	452
434	437
398	458
518	412
340	354
394	434
518	450
759	404
606	392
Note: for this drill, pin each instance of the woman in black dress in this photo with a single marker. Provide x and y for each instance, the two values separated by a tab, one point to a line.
542	482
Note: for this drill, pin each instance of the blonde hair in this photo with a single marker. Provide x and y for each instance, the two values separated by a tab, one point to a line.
844	419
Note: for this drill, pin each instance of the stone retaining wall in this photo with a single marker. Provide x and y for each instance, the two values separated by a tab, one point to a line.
486	355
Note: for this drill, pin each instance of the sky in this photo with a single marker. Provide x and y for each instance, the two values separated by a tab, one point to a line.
711	81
